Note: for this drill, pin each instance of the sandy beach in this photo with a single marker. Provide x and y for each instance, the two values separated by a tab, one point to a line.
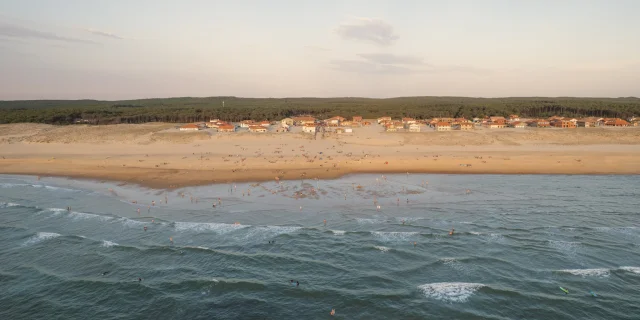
156	155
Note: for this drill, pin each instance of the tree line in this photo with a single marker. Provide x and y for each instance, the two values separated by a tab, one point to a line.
184	110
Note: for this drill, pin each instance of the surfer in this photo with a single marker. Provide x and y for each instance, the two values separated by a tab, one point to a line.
69	209
452	231
297	283
139	279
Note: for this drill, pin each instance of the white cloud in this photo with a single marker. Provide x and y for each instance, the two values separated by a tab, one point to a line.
387	58
103	34
19	32
376	31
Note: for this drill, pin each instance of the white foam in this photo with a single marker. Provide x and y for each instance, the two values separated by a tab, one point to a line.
453	263
381	248
407	219
338	232
219	228
631	269
450	291
131	223
394	236
476	233
8	204
84	216
41	236
599	272
566	247
369	221
262	232
57	211
108	244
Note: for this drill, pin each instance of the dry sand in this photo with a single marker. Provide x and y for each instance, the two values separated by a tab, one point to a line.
156	155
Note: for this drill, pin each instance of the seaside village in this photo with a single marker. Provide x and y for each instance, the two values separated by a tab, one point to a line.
341	125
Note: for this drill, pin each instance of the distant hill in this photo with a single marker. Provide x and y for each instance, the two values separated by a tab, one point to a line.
186	109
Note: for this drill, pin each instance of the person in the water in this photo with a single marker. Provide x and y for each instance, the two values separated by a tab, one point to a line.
145	228
297	283
139	279
105	273
452	231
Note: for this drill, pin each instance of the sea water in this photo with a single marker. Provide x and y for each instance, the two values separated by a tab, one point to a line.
517	239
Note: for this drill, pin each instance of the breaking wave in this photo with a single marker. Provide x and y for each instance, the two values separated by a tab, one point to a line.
450	291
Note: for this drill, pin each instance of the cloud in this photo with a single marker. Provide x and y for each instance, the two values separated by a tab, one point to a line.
369	68
370	30
104	34
14	31
387	58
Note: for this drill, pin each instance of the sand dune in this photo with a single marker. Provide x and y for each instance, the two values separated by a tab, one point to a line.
157	155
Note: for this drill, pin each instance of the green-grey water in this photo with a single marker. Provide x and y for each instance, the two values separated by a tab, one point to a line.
517	240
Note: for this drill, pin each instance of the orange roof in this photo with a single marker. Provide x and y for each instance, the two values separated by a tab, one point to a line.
257	127
443	124
190	126
304	119
226	126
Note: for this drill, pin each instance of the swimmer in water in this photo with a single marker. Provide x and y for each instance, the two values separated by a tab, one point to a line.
105	273
415	244
297	283
69	209
325	222
145	228
452	231
403	222
139	279
333	312
138	210
171	240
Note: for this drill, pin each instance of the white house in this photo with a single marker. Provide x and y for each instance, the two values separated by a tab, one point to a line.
309	129
414	127
190	127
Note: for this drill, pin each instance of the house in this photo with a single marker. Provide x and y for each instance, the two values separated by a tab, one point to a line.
339	130
246	123
561	123
282	129
586	123
518	124
255	128
463	126
287	122
408	120
335	121
309	128
190	127
497	119
347	123
514	117
265	124
348	130
443	126
390	127
540	123
357	118
366	123
414	127
381	119
226	128
616	123
302	121
494	125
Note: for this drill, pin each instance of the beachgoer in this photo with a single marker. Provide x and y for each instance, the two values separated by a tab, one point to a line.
403	222
171	240
139	279
452	231
415	244
333	312
148	209
145	228
297	283
138	210
153	203
69	209
105	273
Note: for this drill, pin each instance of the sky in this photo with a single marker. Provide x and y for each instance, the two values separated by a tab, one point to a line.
130	49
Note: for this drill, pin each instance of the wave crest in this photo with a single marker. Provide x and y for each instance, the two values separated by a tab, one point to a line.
450	291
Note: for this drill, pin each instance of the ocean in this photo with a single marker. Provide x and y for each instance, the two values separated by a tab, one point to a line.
75	249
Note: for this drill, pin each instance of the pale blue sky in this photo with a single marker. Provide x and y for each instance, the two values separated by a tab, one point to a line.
121	49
